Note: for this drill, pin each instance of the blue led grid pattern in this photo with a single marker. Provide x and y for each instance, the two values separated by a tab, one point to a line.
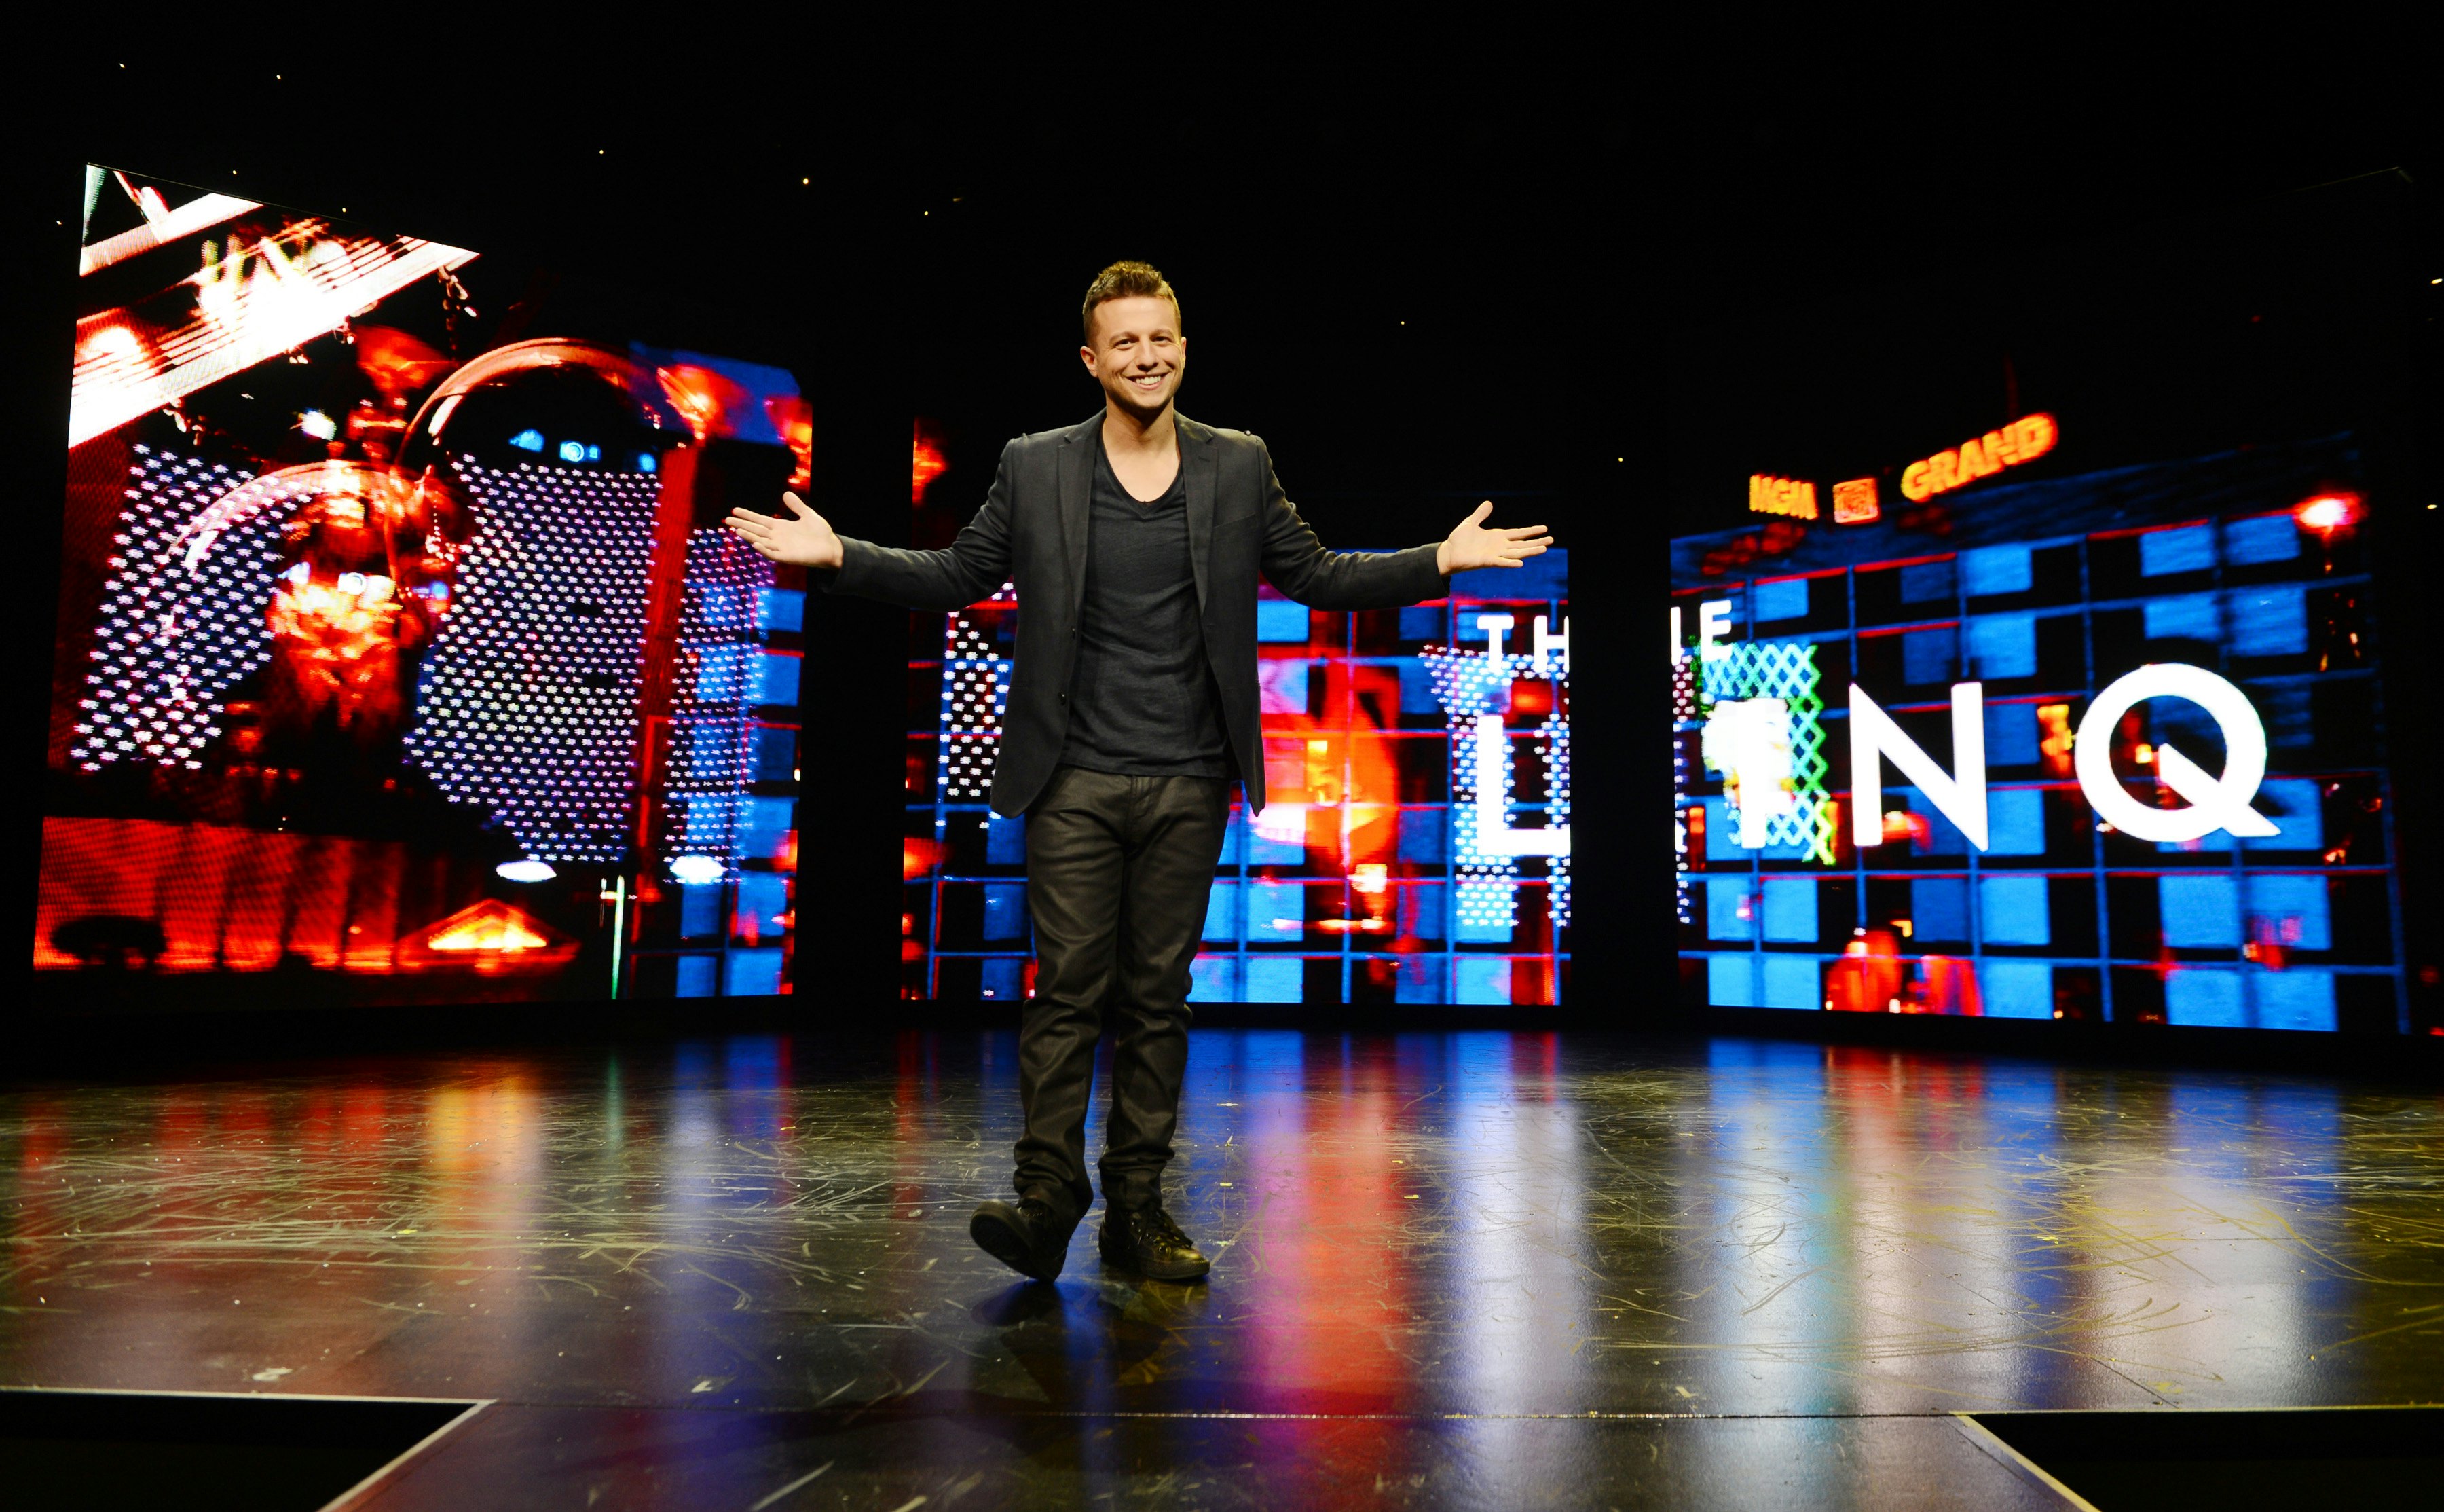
1363	880
720	679
2059	918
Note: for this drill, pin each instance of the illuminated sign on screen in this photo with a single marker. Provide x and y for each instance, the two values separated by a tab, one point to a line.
2021	441
2214	803
2110	747
1750	740
1854	501
1713	625
1787	496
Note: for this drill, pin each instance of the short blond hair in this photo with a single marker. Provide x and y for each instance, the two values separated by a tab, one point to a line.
1126	280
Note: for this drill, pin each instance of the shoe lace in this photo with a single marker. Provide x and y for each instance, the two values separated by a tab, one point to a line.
1163	1227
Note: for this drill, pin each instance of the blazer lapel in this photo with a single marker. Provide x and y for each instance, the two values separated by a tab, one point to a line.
1076	487
1198	461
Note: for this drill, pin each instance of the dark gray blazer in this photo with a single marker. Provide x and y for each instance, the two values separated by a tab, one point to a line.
1032	532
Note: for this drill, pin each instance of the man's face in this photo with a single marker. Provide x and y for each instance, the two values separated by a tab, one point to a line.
1137	353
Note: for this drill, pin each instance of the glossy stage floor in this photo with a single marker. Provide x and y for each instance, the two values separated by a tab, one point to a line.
1464	1270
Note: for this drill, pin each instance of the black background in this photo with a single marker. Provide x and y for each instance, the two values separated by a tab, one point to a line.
1599	275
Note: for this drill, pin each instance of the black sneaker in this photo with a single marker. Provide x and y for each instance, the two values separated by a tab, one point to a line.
1147	1241
1028	1237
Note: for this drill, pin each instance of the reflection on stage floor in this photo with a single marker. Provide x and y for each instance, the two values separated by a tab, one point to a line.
1487	1268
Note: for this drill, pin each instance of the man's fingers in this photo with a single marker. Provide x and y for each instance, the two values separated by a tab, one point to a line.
1482	510
797	506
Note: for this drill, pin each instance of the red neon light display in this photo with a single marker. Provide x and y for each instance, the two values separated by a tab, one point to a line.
175	898
929	464
398	365
918	856
1854	501
795	419
490	926
1787	496
2328	513
491	936
705	399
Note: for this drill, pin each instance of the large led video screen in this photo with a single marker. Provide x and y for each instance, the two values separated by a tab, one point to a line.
2107	745
1417	844
401	657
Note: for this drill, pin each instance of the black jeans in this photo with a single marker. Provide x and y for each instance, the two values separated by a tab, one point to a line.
1117	872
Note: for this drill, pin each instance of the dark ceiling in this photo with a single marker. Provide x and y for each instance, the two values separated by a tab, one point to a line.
1594	267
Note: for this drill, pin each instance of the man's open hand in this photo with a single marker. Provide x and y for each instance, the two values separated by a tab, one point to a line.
805	540
1472	545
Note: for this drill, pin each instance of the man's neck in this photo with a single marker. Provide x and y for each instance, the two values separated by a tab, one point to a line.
1125	432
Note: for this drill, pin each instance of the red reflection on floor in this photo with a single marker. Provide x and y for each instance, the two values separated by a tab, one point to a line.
1333	1182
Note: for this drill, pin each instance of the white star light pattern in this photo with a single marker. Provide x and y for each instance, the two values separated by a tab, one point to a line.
1468	684
718	682
527	705
1684	715
974	683
181	622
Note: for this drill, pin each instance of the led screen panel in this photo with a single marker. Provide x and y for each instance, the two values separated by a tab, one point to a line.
399	656
2106	745
1415	847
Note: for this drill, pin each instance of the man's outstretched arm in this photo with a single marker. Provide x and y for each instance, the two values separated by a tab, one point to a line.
1297	563
1473	544
968	569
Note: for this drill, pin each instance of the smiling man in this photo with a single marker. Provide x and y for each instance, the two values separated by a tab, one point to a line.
1136	541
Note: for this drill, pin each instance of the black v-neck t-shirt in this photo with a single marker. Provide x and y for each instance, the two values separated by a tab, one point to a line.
1142	698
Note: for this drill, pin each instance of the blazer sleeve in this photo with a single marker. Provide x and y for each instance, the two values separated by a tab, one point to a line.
1297	563
969	569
